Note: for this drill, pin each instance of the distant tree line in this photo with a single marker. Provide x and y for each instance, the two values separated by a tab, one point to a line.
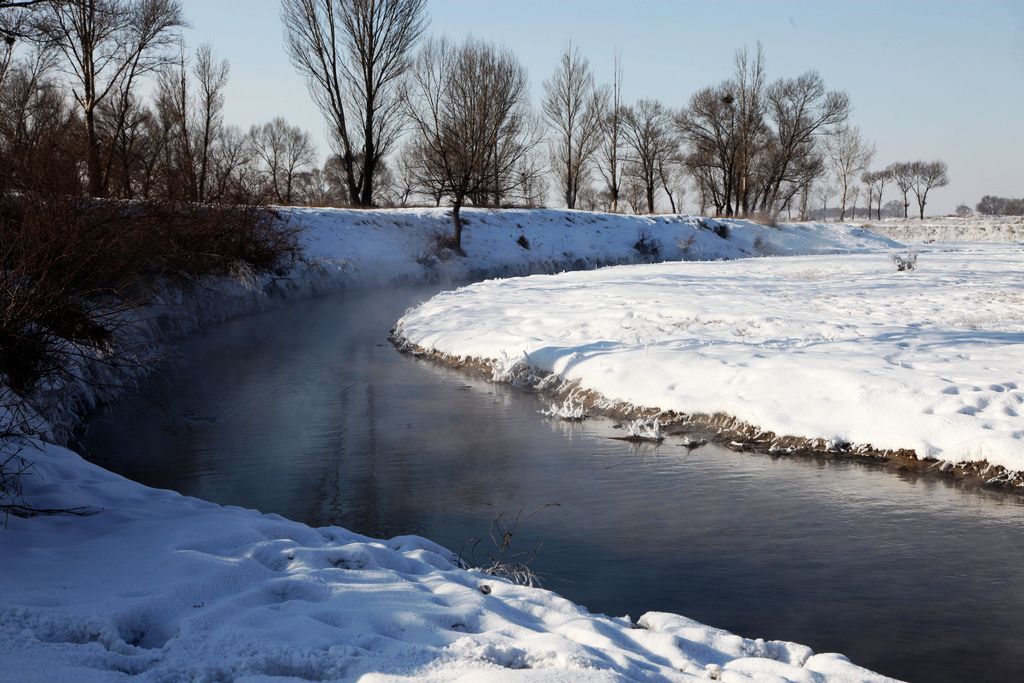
414	120
1000	206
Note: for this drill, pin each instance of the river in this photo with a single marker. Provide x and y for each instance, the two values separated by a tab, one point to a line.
307	411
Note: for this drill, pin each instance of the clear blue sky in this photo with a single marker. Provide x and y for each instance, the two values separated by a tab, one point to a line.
937	79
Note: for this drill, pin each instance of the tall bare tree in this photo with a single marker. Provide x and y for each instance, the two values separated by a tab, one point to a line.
609	161
749	105
874	183
191	104
107	45
573	108
801	111
849	155
902	173
352	53
755	146
471	122
650	142
928	175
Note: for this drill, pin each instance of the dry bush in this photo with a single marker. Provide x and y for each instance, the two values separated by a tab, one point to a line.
905	263
768	218
504	562
439	247
70	268
646	245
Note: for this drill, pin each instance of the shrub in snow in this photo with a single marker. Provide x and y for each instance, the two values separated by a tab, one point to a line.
438	249
503	562
686	244
12	467
570	409
720	229
764	247
644	430
908	262
646	245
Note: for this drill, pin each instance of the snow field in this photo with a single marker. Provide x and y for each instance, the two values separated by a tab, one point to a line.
836	347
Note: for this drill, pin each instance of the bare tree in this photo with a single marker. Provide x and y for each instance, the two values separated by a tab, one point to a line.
875	182
572	108
212	78
849	155
352	53
671	174
650	142
192	108
823	191
902	174
633	191
854	196
286	151
613	122
801	110
927	175
749	105
16	25
38	145
754	146
894	208
471	122
107	45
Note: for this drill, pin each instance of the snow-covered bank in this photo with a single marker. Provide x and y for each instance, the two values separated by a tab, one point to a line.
373	248
951	229
344	249
840	348
169	588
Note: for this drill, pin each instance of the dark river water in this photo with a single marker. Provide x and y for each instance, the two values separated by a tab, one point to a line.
307	411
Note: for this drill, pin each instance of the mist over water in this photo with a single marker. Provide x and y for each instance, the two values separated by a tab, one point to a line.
307	411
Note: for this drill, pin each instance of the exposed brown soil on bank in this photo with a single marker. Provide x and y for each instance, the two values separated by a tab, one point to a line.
725	430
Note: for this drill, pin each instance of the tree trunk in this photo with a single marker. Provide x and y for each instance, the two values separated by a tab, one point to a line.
354	190
457	224
95	167
369	167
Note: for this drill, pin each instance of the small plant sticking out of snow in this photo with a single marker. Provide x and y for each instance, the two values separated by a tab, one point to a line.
908	262
644	430
503	562
523	242
647	246
570	410
686	245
